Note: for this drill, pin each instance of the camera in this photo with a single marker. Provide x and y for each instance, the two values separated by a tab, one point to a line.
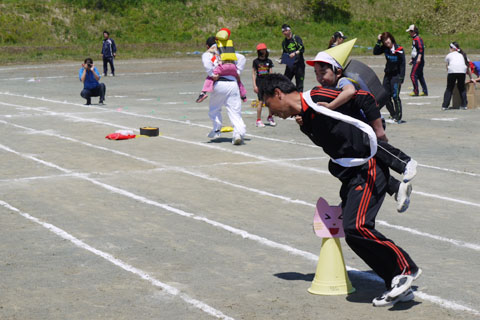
89	65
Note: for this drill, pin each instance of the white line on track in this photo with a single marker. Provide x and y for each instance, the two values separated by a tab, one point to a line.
450	170
197	125
34	178
244	234
125	266
444	119
257	191
29	79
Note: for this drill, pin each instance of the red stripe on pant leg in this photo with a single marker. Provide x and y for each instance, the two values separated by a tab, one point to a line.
361	216
362	201
402	262
412	76
400	259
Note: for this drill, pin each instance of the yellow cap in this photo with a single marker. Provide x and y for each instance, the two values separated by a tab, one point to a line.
341	52
222	35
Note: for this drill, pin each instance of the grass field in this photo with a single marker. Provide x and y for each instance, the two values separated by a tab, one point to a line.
42	31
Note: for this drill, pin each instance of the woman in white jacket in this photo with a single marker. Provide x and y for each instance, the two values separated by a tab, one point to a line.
457	68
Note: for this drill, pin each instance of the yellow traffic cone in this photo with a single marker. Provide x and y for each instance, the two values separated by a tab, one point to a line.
331	277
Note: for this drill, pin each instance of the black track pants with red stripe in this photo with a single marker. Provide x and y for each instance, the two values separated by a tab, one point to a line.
362	198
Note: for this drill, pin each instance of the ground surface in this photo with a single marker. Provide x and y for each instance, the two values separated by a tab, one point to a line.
180	227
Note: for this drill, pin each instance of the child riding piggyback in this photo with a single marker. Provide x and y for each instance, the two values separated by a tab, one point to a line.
225	61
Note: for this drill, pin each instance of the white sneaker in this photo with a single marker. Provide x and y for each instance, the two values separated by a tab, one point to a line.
214	134
410	171
259	124
400	284
385	301
403	196
271	121
237	140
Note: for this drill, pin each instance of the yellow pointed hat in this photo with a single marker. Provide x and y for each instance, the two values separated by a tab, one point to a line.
340	53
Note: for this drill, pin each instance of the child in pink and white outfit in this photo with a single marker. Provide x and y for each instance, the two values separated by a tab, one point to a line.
222	68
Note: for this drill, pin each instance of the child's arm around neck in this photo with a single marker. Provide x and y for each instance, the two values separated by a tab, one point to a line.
348	91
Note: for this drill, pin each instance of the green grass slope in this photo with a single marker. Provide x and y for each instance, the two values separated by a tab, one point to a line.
46	30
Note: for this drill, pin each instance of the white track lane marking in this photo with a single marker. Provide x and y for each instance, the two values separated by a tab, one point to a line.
257	191
200	125
244	234
119	263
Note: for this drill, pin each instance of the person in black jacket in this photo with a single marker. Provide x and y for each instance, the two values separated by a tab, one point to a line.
394	72
109	52
292	56
364	182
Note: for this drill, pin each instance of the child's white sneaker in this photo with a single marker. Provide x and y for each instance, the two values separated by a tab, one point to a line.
403	196
214	134
259	124
410	170
271	121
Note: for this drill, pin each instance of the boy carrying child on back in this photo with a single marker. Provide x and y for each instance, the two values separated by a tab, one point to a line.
329	73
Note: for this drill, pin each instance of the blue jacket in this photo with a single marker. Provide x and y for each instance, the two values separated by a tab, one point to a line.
108	48
90	81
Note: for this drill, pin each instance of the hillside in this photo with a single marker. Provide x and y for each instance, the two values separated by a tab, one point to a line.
47	30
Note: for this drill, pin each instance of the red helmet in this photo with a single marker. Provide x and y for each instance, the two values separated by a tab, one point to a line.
223	34
261	46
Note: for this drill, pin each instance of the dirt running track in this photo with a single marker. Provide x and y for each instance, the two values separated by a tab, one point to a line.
180	227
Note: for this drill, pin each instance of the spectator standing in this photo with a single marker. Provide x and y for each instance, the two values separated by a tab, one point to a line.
457	68
292	56
417	61
109	52
394	72
337	38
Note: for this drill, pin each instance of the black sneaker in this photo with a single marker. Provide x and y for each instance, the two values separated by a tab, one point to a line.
201	97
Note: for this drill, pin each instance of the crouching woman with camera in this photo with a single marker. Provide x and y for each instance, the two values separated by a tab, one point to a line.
90	76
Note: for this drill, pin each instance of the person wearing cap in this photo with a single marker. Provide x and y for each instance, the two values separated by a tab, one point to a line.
328	67
351	145
292	51
261	66
225	93
457	67
417	61
337	38
394	72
